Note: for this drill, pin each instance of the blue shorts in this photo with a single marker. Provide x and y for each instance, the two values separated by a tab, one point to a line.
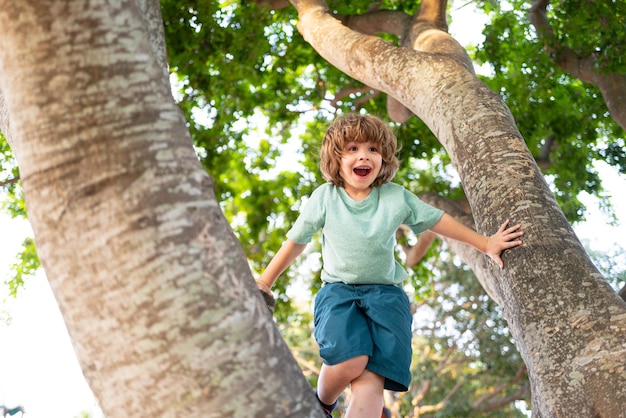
371	320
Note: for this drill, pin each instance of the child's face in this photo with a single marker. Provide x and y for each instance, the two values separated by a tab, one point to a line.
361	163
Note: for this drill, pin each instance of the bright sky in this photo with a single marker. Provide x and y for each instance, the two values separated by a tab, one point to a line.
38	367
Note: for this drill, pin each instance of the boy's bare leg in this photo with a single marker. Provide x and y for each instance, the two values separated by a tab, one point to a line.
334	379
367	396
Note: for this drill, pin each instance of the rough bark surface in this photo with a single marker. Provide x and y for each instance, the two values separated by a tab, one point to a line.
477	261
154	288
569	324
4	118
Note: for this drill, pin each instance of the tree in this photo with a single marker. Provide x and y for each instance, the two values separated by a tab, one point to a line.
151	199
434	79
154	288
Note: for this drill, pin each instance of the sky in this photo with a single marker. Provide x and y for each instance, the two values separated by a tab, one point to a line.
38	367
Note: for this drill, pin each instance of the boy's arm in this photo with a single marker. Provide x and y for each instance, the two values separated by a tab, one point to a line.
283	259
492	246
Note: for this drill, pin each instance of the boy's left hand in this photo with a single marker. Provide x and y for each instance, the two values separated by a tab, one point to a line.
504	239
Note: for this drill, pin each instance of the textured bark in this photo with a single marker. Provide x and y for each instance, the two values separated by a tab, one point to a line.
570	326
155	290
470	256
5	126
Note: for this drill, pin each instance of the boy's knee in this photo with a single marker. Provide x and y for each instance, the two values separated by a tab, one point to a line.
370	380
357	365
353	368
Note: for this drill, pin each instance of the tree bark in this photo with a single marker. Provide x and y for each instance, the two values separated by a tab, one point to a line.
155	290
470	256
569	324
4	117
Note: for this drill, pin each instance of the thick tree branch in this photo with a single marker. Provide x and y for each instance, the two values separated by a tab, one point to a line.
397	111
379	21
472	257
585	68
272	4
5	126
425	31
432	12
391	22
431	15
428	32
153	20
385	21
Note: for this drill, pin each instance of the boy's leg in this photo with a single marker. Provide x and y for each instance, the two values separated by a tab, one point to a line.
334	379
366	400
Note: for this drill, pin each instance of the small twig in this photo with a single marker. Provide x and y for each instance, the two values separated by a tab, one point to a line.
10	181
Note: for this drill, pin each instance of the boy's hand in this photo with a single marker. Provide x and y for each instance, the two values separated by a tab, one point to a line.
504	239
267	295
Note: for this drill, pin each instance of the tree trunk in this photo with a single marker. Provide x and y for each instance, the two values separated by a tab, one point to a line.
570	326
154	288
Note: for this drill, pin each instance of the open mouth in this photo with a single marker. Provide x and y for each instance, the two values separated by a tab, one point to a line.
362	171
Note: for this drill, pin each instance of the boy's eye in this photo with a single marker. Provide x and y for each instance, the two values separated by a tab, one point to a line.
373	149
352	148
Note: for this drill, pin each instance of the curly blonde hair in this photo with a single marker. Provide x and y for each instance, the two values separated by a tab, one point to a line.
358	128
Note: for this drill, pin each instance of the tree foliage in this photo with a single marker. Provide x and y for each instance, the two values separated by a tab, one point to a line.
565	121
239	62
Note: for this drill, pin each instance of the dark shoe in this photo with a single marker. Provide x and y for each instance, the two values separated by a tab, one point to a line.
386	413
328	409
327	413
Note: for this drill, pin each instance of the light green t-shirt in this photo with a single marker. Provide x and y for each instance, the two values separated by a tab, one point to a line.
358	237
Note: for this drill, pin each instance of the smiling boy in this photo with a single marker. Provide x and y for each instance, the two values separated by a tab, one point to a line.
362	316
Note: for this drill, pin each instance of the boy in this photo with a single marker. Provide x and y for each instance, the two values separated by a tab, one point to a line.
362	316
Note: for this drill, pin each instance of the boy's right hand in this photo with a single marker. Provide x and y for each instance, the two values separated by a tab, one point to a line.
503	239
266	293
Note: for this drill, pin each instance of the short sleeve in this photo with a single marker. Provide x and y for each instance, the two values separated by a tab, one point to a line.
421	216
310	220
